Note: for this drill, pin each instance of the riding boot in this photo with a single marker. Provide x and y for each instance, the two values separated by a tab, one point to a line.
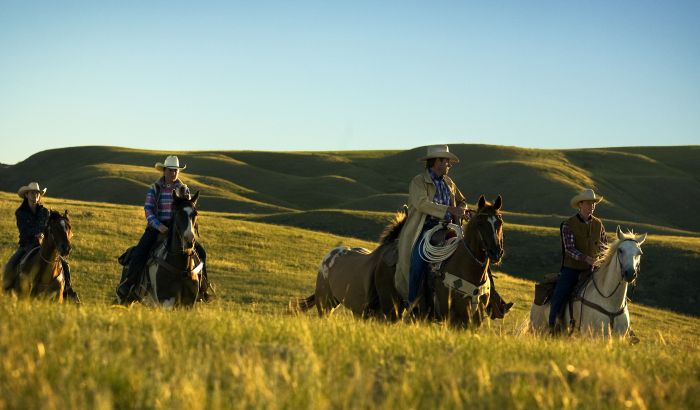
204	294
124	287
68	292
497	306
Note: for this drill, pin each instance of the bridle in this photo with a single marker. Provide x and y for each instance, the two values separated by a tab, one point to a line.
473	292
53	238
597	307
188	252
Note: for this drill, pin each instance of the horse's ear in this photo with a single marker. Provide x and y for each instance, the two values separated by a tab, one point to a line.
640	238
618	232
195	198
498	203
481	202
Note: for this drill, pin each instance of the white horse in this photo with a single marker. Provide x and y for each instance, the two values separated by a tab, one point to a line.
600	307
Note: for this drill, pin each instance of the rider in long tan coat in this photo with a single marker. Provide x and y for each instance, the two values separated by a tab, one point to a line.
432	197
426	207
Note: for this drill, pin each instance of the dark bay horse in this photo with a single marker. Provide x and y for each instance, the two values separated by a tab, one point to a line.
173	275
40	271
363	281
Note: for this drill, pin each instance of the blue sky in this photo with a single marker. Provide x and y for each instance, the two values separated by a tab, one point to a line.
300	75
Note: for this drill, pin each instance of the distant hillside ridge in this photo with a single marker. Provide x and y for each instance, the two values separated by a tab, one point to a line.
648	185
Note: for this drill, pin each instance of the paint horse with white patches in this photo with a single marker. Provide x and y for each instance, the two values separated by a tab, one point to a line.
363	281
40	271
173	274
600	306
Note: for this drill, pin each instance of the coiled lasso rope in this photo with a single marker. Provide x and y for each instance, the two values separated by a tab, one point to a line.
436	254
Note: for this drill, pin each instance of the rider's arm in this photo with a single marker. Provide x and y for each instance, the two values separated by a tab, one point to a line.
150	208
567	238
460	200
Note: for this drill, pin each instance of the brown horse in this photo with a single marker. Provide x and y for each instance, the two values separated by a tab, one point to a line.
173	275
40	271
363	281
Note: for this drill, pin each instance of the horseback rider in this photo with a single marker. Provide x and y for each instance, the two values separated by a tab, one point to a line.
432	197
582	239
32	218
158	211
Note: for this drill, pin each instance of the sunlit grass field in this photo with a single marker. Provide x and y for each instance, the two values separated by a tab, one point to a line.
245	351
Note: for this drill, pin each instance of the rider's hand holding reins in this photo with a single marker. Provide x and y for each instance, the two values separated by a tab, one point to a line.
162	229
456	211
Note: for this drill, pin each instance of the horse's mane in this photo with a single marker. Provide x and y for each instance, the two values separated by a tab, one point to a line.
392	231
606	256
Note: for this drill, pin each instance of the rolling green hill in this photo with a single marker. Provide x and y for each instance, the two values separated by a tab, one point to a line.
650	185
354	194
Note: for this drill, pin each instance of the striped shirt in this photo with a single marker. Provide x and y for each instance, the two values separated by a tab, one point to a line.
567	237
443	196
164	202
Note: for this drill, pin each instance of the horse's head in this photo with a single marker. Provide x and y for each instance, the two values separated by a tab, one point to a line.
59	230
488	222
184	222
465	289
629	253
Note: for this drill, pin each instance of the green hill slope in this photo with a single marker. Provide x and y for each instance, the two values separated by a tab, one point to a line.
648	189
650	185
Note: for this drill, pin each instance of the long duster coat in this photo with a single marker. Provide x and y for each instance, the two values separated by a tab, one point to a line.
421	192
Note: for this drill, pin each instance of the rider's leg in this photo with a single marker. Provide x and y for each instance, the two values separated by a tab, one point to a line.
9	274
417	272
204	294
68	291
498	306
139	257
565	284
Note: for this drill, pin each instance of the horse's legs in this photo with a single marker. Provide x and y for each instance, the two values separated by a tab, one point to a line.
389	300
11	270
325	301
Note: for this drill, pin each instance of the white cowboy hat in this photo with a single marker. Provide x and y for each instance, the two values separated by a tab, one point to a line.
585	195
439	151
32	186
170	162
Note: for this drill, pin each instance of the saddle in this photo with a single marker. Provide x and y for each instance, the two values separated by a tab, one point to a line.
25	258
545	289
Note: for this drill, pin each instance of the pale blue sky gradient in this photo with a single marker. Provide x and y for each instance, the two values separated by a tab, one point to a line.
300	75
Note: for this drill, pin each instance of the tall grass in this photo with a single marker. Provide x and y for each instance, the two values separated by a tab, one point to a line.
238	357
245	351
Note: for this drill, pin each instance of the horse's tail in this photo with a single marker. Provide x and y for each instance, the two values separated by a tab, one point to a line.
298	305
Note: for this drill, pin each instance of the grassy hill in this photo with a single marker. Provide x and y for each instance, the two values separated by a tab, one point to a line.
244	351
650	185
354	194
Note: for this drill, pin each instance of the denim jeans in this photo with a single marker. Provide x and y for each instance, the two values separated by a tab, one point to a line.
565	285
419	268
139	255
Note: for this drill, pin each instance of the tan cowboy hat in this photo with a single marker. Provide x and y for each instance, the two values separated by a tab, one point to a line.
439	151
32	186
170	162
585	195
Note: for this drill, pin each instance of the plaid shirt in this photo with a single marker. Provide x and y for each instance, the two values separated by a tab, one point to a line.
155	217
570	244
443	196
